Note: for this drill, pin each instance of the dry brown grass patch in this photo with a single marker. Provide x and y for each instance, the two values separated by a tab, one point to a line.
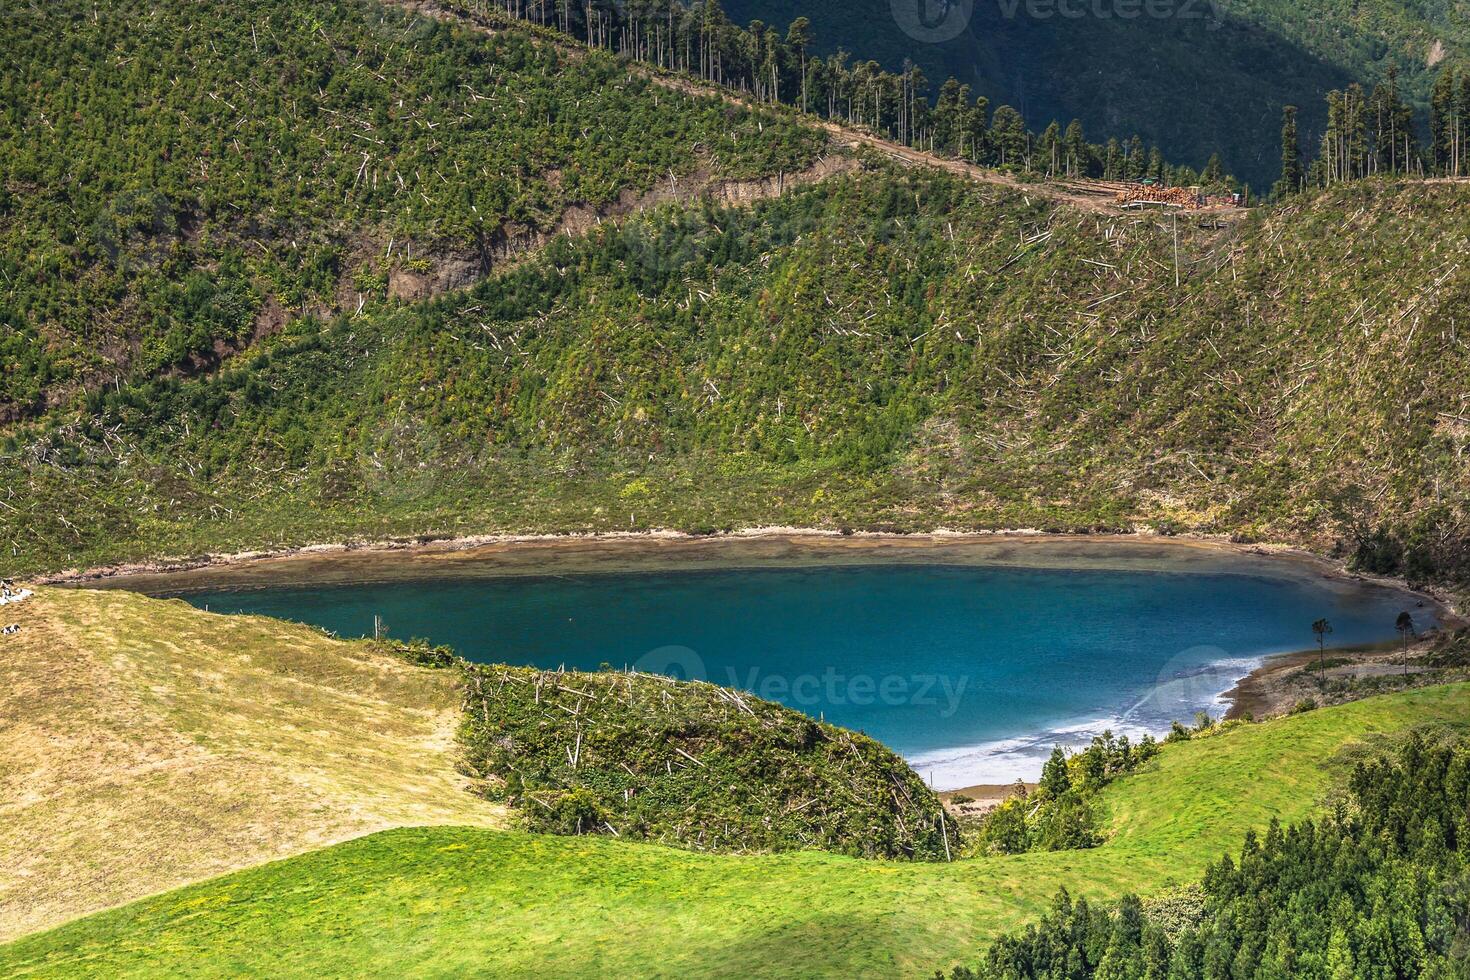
148	744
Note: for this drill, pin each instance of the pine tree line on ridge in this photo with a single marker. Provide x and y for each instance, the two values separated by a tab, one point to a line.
697	37
1376	134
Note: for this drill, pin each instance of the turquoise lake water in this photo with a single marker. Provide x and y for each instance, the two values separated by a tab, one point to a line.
972	673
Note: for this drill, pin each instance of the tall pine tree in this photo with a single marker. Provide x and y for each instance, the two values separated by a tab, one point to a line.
1074	143
1354	132
1462	141
1291	155
1214	172
1113	160
1137	165
1156	168
1444	124
1395	147
799	39
1051	147
1008	136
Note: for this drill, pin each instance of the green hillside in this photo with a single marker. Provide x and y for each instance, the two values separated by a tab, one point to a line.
896	349
1373	887
447	902
1211	77
149	745
182	179
173	745
892	349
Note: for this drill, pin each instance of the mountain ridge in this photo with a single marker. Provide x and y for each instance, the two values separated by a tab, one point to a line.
1195	85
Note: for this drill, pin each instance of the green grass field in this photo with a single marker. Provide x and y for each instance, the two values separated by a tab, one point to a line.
454	902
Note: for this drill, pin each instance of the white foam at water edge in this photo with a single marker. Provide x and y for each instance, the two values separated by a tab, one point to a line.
1009	759
1021	757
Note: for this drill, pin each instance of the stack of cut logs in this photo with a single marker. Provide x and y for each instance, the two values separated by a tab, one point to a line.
1182	197
1222	201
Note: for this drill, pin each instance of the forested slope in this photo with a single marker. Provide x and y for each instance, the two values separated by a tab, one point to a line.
1376	888
180	179
893	348
889	349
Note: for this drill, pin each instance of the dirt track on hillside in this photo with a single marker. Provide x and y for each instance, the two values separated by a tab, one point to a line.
1089	195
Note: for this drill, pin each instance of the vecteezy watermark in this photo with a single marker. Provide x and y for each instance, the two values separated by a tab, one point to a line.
1190	682
831	688
678	662
834	688
1204	10
932	21
937	21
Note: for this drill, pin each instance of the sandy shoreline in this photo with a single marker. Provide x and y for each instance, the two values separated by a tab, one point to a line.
1275	687
976	801
527	554
1254	694
427	545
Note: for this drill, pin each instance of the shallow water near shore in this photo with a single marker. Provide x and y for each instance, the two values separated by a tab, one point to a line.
972	659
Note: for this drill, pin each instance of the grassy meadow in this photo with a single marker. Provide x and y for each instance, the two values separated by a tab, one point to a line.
460	901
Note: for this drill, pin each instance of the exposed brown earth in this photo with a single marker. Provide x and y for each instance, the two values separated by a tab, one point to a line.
445	268
974	802
1294	680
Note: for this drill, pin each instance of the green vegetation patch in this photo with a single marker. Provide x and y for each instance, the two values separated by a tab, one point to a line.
1378	888
690	764
1059	816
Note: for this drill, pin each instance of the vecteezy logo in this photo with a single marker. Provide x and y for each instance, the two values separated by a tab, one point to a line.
1193	680
678	662
932	21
